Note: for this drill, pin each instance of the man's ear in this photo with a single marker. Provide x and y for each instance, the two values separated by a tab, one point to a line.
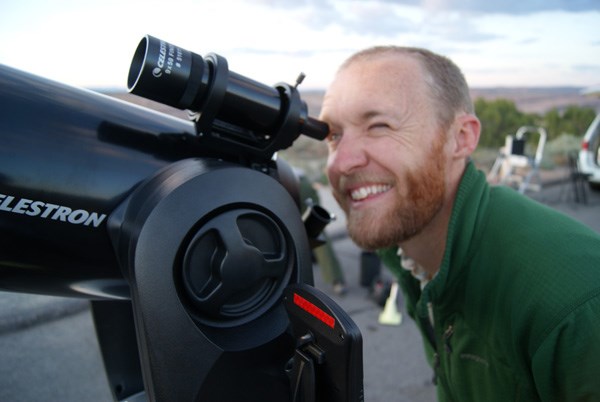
466	135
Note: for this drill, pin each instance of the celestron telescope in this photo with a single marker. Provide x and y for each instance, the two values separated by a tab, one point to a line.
185	235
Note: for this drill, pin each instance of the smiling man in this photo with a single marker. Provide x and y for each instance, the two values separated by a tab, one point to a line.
505	291
396	156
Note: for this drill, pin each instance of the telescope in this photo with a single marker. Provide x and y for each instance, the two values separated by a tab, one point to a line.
185	235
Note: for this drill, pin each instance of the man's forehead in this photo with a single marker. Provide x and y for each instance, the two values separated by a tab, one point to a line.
391	72
373	81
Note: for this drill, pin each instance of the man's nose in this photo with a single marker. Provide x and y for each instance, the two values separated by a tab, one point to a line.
348	155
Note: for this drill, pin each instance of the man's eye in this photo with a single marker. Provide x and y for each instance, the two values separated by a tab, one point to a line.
379	125
333	137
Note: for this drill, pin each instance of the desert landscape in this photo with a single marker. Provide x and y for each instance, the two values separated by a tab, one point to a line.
529	100
310	155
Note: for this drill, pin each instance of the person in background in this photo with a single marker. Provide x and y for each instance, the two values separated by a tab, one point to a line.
505	291
324	255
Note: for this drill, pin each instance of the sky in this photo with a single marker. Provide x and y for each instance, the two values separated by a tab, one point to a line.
90	43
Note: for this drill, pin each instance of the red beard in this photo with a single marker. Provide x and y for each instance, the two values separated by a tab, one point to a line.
374	228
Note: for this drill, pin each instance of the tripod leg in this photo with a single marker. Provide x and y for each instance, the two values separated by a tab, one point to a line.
303	378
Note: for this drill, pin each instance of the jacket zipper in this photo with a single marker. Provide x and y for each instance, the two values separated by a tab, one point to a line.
429	325
447	334
430	314
430	329
446	337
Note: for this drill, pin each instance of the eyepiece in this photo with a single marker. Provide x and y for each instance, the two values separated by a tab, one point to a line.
166	73
139	58
315	219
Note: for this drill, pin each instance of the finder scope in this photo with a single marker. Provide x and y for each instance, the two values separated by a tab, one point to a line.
234	108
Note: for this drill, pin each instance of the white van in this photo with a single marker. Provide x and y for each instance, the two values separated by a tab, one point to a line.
589	155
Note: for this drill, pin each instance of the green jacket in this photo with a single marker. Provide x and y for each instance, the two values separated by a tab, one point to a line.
516	303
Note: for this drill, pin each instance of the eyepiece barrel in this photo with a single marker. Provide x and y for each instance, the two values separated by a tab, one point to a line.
315	129
315	219
177	77
166	73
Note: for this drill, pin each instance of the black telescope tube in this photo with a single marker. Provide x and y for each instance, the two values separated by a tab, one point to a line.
177	77
68	158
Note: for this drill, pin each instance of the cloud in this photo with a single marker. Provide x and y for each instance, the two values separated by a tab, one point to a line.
297	53
452	27
434	20
503	7
368	18
593	68
474	6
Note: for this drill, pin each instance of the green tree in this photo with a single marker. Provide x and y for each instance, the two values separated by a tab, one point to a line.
499	118
552	122
573	120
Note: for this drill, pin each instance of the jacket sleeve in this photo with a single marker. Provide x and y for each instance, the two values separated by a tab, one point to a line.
566	365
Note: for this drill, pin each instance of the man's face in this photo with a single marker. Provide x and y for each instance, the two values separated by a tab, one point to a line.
387	153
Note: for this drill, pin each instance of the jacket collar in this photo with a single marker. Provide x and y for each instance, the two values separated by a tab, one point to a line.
461	241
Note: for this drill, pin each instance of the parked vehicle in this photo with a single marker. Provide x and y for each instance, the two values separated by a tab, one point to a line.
589	155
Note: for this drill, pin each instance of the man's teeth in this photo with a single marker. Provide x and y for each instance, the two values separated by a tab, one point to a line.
364	192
